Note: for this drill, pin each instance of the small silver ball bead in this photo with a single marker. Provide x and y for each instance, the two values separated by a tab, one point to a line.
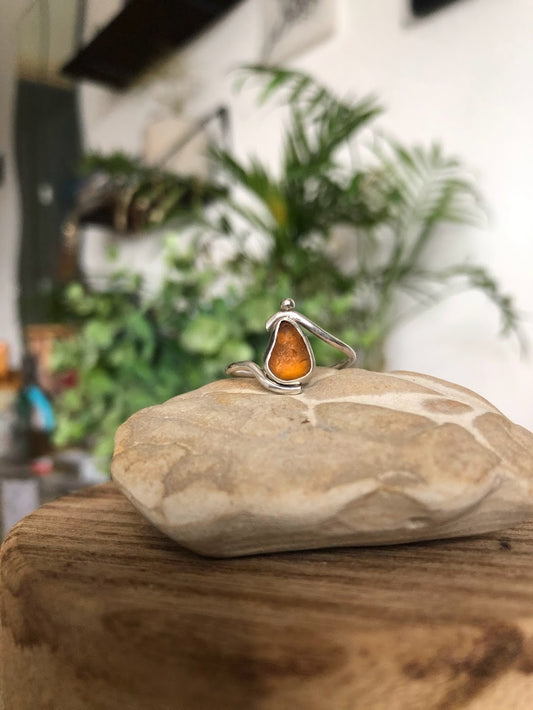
287	304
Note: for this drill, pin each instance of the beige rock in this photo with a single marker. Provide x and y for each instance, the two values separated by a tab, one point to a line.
359	458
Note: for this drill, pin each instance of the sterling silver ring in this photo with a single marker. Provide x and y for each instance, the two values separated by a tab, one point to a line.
289	359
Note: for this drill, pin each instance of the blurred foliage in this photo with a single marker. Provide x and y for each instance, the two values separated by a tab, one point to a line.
123	193
387	201
390	202
132	350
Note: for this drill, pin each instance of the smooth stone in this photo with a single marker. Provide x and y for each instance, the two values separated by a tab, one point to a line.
289	358
359	458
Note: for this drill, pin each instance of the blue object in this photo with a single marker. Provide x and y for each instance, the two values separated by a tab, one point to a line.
42	415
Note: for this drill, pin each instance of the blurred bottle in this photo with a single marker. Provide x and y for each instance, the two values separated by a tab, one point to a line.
4	360
9	384
35	416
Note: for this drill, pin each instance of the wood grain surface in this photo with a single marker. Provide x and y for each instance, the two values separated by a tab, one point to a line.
100	611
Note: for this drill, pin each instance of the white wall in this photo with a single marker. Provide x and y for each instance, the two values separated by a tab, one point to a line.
10	12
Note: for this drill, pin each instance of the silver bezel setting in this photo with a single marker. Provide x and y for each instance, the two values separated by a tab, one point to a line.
265	376
276	321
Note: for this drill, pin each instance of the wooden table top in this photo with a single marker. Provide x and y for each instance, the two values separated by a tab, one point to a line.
100	610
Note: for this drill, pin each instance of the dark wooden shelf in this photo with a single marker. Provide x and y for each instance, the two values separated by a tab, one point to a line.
143	32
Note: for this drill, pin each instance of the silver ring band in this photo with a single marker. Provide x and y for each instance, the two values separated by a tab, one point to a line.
289	359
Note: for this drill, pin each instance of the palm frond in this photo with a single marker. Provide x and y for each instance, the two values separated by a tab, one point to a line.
428	189
394	199
295	86
475	277
320	121
313	143
431	186
429	287
254	178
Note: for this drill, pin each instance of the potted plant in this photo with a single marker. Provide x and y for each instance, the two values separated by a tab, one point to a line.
389	201
133	350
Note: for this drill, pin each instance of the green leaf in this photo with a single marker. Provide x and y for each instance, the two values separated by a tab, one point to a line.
98	383
254	312
74	293
138	326
205	335
100	333
72	399
235	350
68	431
123	355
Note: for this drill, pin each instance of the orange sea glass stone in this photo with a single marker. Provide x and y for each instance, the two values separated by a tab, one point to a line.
290	358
